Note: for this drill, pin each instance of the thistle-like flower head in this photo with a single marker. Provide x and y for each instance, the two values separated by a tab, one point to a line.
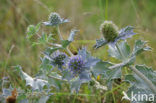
109	31
81	64
55	19
112	35
76	64
58	58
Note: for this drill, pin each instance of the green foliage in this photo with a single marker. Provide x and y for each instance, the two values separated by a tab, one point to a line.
32	30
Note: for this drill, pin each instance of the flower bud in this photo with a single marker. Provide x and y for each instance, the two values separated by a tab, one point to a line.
109	31
54	18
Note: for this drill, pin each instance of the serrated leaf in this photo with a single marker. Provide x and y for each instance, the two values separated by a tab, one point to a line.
85	76
66	74
46	64
55	80
138	84
32	30
99	43
100	68
50	50
126	32
36	84
43	99
65	43
123	47
72	34
113	74
139	47
75	85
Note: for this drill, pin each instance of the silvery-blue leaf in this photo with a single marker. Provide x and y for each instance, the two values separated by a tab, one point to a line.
65	20
6	92
91	61
72	34
47	23
138	84
101	68
126	32
99	43
113	74
139	47
83	53
36	84
55	80
124	48
67	74
85	76
43	99
75	85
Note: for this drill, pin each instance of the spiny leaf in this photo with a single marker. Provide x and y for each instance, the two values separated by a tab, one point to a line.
100	68
75	85
126	32
72	34
32	30
99	43
36	84
137	83
139	47
124	48
112	75
43	99
55	80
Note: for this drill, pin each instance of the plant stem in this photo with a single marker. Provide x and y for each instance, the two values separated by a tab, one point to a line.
106	10
118	65
117	46
59	33
61	38
150	84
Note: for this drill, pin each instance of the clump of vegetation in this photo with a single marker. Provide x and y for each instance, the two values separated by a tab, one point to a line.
61	68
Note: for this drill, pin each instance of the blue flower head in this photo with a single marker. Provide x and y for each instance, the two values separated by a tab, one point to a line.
57	59
81	64
55	19
112	35
76	64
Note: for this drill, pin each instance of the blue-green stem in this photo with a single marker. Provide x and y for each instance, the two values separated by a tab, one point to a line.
117	46
61	38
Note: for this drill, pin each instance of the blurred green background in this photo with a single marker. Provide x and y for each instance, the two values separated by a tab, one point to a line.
16	15
85	15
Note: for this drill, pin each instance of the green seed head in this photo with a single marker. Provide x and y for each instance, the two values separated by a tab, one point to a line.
54	18
109	31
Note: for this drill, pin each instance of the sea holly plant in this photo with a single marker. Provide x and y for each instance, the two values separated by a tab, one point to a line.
61	68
